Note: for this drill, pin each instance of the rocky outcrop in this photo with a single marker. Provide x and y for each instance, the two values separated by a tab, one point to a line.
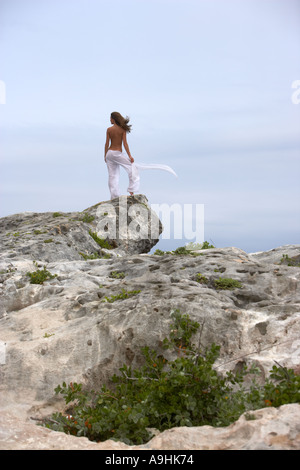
77	325
128	225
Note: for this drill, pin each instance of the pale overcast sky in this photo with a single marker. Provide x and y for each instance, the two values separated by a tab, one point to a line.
207	85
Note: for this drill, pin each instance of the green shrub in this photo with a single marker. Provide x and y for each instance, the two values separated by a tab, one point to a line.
123	295
181	331
186	250
57	214
94	256
206	246
117	275
227	283
162	393
87	218
201	279
48	335
290	261
159	252
40	276
100	241
199	246
181	250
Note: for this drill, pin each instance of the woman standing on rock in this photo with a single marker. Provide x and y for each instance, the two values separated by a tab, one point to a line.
115	157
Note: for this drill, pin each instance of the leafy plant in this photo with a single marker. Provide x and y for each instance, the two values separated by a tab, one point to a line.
187	249
283	389
87	218
201	279
100	241
206	245
40	276
163	393
57	214
117	275
94	256
123	295
181	250
181	331
227	283
199	246
290	261
159	252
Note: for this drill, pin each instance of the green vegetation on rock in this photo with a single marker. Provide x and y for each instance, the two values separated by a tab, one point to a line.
163	393
100	241
40	276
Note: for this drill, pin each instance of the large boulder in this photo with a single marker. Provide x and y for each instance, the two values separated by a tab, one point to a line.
126	224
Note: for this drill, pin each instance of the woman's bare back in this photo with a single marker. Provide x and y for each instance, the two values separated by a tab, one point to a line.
116	135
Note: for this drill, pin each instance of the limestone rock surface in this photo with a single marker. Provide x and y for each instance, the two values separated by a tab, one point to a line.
66	329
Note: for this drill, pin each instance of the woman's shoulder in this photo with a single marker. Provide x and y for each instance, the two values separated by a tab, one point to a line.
116	129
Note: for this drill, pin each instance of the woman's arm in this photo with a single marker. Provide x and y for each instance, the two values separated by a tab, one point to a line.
127	147
106	144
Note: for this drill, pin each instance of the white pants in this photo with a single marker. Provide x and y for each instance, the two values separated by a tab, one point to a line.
115	159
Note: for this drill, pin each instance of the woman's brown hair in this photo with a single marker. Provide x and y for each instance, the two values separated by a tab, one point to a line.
121	121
